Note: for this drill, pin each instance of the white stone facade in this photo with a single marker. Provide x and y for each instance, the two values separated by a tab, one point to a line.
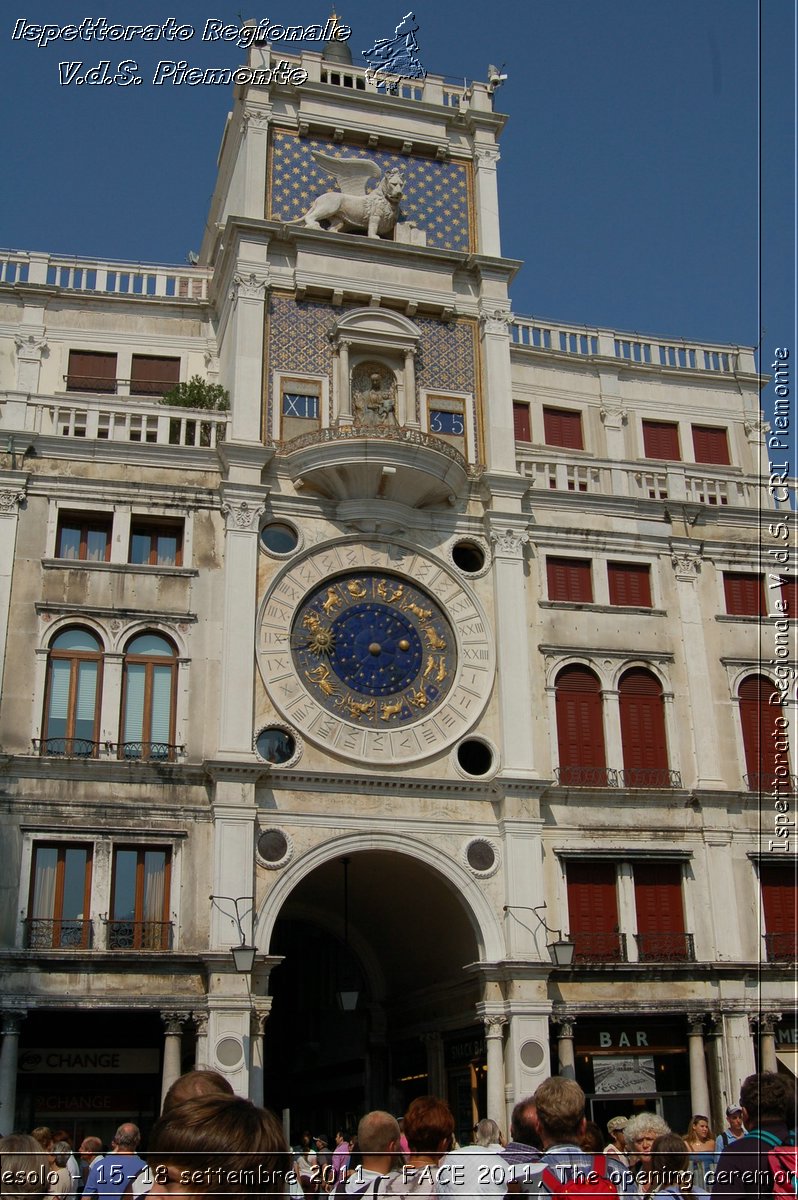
489	523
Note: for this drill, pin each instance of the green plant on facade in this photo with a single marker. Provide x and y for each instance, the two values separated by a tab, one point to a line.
198	394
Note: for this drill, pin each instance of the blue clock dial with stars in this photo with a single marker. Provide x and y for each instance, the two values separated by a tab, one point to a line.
374	649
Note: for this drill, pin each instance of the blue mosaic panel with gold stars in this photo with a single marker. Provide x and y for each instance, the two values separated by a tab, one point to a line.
435	193
374	649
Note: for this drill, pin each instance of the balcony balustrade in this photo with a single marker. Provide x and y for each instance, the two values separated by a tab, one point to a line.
644	778
665	947
138	935
129	751
110	278
124	420
49	934
721	487
781	947
769	781
596	947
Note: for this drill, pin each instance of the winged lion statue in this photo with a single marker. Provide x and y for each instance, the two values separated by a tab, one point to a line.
353	207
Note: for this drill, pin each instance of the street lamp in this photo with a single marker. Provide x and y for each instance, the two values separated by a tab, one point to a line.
243	955
561	950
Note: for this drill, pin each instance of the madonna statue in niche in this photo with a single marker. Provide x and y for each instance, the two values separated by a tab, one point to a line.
373	395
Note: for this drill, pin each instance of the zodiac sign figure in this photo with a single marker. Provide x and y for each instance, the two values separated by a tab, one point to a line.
421	613
356	589
332	602
434	640
430	667
392	596
390	710
419	699
321	677
358	709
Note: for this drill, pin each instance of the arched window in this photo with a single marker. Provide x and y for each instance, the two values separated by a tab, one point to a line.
645	746
764	744
72	703
580	730
148	698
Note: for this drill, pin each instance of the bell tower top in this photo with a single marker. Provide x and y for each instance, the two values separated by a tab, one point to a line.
335	50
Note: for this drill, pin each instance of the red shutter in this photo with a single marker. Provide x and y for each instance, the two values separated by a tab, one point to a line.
152	375
91	371
779	903
661	440
745	595
789	595
593	911
630	584
660	915
710	445
758	722
563	427
521	425
580	730
569	579
645	748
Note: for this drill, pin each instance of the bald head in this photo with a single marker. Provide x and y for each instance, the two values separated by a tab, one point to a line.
127	1138
378	1133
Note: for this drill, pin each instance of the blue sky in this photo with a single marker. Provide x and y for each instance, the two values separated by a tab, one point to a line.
629	174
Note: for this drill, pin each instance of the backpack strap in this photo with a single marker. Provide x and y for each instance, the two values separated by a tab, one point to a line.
725	1139
764	1135
550	1181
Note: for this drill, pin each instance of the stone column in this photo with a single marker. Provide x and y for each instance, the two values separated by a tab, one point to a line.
436	1074
494	1026
172	1047
258	1019
344	385
565	1047
699	1088
487	197
627	910
613	744
245	331
687	567
201	1027
739	1049
242	507
767	1041
12	496
411	403
11	1022
497	385
255	124
512	650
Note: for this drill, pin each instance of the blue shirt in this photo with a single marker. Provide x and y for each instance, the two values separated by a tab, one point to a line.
109	1176
567	1161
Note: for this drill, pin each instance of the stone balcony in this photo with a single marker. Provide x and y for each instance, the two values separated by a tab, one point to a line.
386	463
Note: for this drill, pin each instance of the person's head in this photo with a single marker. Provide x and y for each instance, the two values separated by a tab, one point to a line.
699	1130
90	1147
641	1133
127	1138
320	1142
44	1136
766	1097
560	1107
23	1161
61	1135
734	1119
194	1084
670	1160
615	1128
341	1136
429	1126
522	1123
487	1133
378	1133
206	1145
60	1152
591	1139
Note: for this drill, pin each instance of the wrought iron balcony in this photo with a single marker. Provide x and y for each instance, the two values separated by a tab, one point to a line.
781	947
595	947
769	781
66	747
665	947
147	751
651	778
138	935
48	934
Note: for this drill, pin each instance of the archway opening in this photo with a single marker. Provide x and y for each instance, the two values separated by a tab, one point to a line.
401	943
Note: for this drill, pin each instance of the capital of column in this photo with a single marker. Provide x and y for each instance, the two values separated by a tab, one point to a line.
173	1023
241	515
250	285
11	500
509	543
565	1026
11	1021
31	347
487	159
257	1020
496	320
695	1024
686	564
256	117
613	416
755	429
494	1025
200	1023
768	1022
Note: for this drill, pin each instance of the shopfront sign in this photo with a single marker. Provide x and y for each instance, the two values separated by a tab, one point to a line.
632	1037
88	1061
624	1076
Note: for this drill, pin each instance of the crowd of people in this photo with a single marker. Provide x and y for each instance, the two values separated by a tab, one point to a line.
210	1142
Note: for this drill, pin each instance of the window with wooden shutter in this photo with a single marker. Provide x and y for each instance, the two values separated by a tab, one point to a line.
661	934
569	579
763	743
152	375
745	594
580	729
593	911
645	748
91	371
630	584
789	596
521	423
779	897
60	896
661	440
711	445
563	427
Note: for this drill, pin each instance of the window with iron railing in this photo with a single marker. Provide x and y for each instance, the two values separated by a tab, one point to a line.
59	898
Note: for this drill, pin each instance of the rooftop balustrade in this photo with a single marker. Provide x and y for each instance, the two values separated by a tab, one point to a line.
105	277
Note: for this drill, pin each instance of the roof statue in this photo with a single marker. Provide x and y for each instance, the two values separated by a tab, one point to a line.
353	207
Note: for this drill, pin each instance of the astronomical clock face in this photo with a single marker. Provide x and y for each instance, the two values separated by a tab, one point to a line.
386	659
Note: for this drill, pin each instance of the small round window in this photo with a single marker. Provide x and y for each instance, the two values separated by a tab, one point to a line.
275	745
475	757
481	855
279	538
469	556
272	846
